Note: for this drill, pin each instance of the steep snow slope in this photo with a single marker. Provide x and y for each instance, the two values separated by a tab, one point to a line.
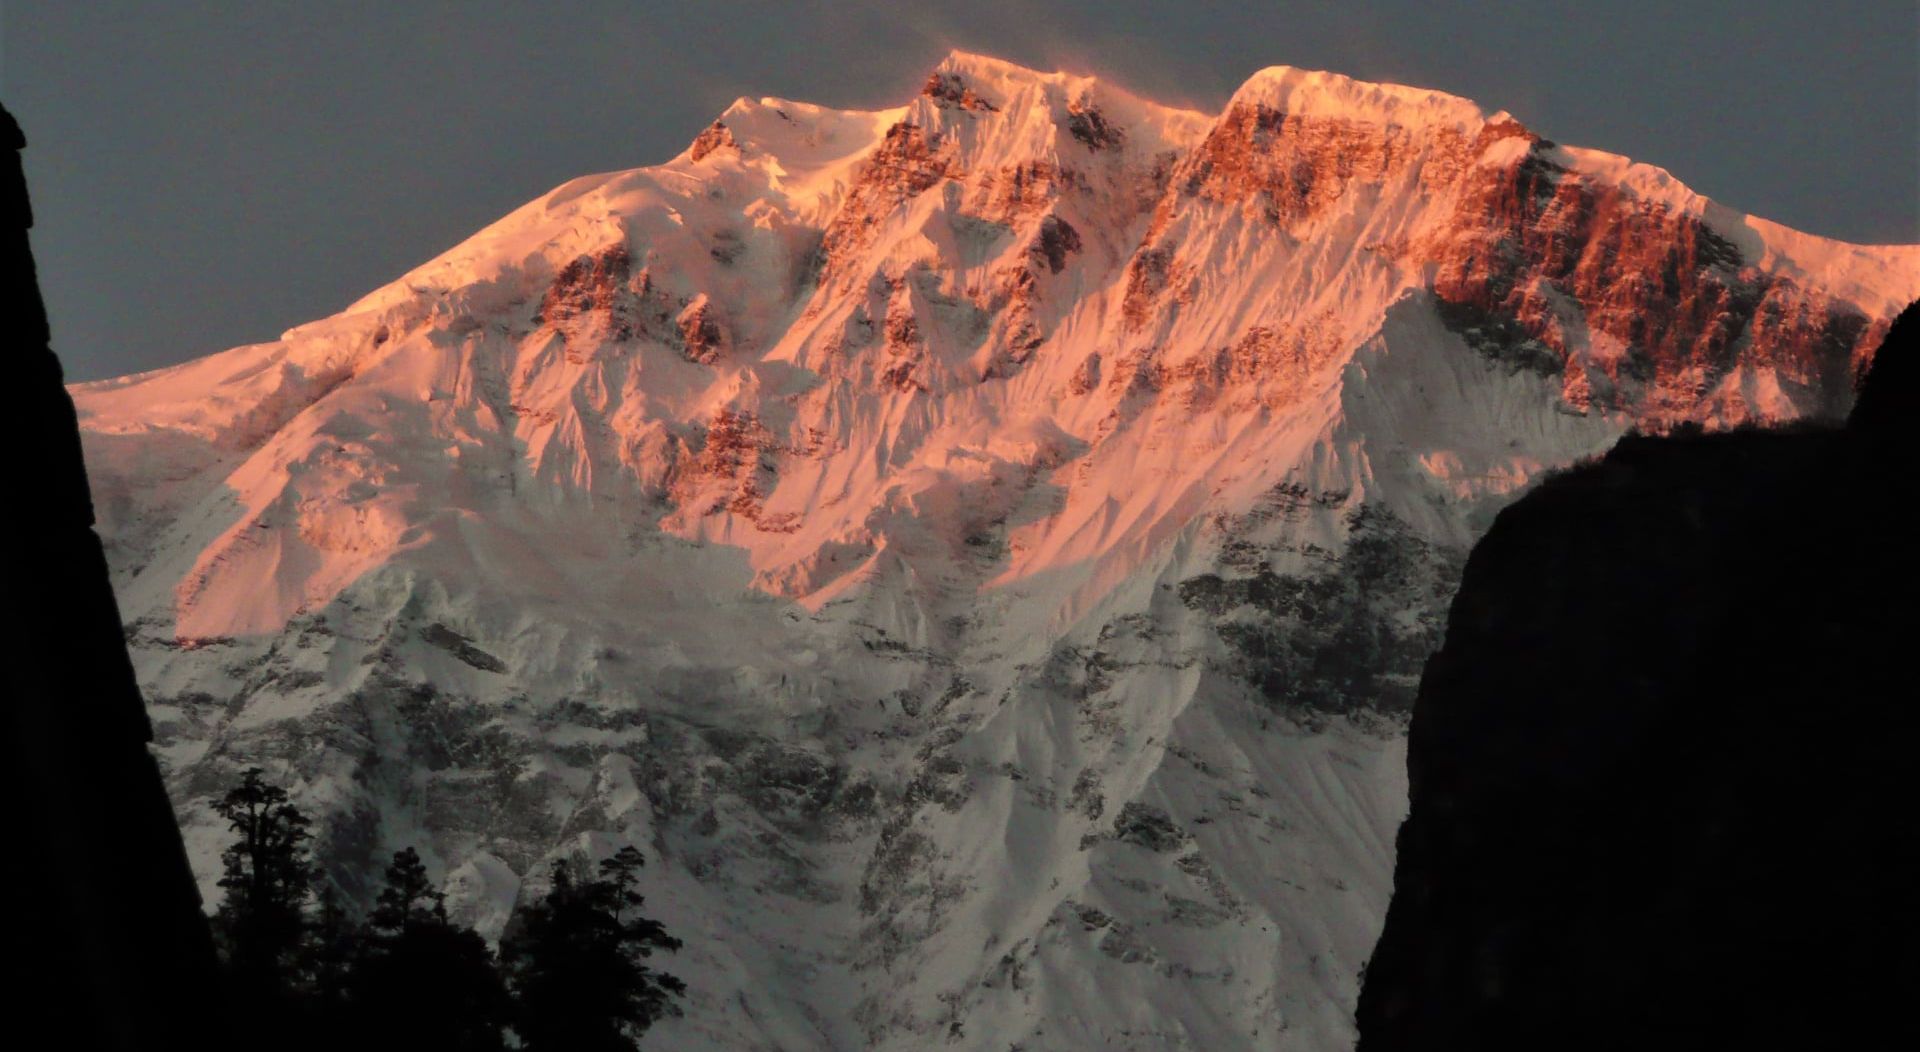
980	550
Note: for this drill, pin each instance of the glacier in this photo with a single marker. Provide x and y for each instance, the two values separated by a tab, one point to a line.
980	551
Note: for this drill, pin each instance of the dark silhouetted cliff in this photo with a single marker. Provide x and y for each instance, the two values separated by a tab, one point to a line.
106	946
1660	767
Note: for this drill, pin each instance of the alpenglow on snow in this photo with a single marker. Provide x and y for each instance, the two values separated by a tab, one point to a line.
981	551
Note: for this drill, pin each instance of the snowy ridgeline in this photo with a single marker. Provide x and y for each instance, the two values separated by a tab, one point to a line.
982	552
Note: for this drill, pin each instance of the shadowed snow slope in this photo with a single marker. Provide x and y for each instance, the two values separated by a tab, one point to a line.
982	550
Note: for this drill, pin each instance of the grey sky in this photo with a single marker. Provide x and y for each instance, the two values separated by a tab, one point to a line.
210	174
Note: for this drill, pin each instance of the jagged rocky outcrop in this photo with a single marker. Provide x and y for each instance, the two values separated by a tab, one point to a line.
981	550
1658	771
106	946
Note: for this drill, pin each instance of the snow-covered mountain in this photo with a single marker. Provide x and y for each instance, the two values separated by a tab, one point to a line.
982	551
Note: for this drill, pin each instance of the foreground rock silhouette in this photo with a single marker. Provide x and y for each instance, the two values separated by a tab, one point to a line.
106	946
1659	768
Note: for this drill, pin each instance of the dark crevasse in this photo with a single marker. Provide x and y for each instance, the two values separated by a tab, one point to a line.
1660	767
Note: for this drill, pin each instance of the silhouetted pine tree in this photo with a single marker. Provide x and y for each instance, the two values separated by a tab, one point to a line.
421	981
267	880
409	895
332	947
332	943
575	960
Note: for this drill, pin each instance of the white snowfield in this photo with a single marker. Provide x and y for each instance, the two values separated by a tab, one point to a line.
979	551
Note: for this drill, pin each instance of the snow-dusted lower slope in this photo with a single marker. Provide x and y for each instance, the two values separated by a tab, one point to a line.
981	551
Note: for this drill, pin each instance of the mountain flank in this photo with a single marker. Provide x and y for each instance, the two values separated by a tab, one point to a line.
982	551
1657	771
107	947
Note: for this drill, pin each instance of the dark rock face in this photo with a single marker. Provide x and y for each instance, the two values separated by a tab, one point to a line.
1657	768
1539	260
1149	827
716	136
590	286
1347	638
1535	244
461	647
1087	124
950	91
106	946
1056	241
905	164
701	334
1295	165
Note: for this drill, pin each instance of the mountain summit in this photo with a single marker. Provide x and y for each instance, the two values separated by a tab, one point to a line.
984	549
